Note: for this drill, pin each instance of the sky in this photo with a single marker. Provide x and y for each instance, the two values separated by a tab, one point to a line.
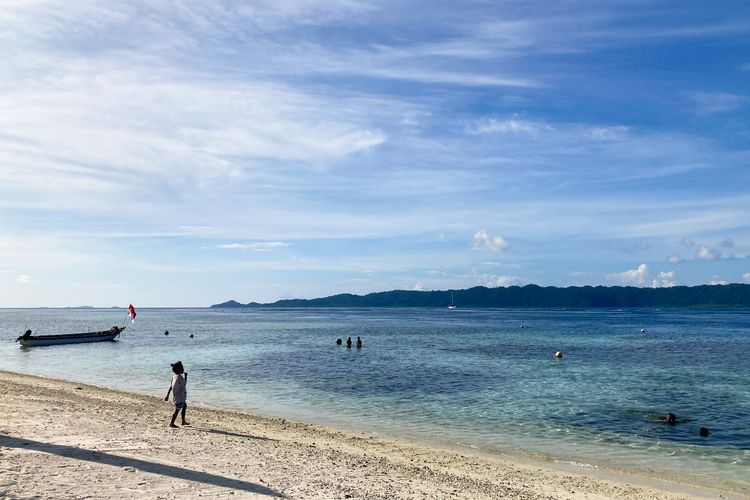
184	153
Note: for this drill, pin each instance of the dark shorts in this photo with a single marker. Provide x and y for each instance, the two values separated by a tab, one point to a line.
180	406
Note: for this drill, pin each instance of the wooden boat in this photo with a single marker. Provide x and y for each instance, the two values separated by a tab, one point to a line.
29	340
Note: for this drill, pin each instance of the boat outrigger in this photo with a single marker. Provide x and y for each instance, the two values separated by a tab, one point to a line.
29	340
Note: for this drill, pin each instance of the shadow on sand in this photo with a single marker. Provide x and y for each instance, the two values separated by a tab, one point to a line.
143	465
227	433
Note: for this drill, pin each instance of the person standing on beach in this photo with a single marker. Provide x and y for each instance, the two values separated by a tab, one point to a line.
178	388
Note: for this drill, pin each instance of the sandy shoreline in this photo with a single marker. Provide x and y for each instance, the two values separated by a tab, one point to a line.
62	439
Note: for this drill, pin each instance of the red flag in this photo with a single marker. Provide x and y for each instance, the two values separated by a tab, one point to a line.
131	311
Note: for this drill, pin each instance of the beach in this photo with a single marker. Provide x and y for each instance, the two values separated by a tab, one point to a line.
61	439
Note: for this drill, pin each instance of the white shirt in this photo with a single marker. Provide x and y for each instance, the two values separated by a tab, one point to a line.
179	388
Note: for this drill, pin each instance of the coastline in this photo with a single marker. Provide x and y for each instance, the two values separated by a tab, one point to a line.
66	439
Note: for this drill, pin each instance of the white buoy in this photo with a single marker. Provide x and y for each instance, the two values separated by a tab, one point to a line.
558	354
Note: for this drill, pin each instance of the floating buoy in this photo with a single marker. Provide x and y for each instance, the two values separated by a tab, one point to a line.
558	354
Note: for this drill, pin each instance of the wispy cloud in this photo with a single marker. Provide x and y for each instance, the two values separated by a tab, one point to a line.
23	279
263	246
716	102
131	131
746	277
492	263
510	125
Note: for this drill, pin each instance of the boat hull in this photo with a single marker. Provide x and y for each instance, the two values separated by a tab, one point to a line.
75	338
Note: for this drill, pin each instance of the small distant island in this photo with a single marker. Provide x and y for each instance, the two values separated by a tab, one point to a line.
531	296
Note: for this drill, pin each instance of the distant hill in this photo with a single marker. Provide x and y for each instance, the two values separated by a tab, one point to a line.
531	296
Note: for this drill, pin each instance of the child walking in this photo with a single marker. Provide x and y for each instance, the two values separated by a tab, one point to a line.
178	388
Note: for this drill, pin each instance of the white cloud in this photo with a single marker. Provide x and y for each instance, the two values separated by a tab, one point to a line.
179	129
23	279
675	259
263	246
718	281
746	277
482	240
492	281
687	242
504	281
509	126
635	276
418	286
608	133
706	253
664	280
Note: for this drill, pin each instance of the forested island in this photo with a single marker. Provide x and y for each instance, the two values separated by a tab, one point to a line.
531	296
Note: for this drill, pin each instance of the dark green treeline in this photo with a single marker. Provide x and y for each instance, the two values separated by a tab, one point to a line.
533	296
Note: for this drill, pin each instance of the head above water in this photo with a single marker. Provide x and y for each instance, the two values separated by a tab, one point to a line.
671	418
177	367
704	432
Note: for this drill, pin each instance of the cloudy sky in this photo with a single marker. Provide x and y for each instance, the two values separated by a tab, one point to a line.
183	153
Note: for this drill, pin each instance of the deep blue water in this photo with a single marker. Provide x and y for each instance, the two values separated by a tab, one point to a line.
472	377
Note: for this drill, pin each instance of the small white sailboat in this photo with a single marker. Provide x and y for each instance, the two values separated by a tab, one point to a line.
452	306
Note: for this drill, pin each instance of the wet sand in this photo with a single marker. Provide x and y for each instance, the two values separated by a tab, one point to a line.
61	439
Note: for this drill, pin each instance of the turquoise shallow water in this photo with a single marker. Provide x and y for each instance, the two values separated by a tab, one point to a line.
472	377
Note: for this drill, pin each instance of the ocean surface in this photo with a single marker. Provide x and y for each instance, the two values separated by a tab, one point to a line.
465	378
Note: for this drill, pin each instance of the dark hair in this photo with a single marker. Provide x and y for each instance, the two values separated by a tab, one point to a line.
177	367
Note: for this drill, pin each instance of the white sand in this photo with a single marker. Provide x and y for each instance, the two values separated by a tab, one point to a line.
61	439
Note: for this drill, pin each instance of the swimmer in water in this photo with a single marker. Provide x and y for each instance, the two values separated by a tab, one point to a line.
670	419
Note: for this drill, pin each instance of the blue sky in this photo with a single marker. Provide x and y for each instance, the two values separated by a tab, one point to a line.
186	153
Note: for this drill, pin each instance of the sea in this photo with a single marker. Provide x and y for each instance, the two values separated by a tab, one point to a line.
484	380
